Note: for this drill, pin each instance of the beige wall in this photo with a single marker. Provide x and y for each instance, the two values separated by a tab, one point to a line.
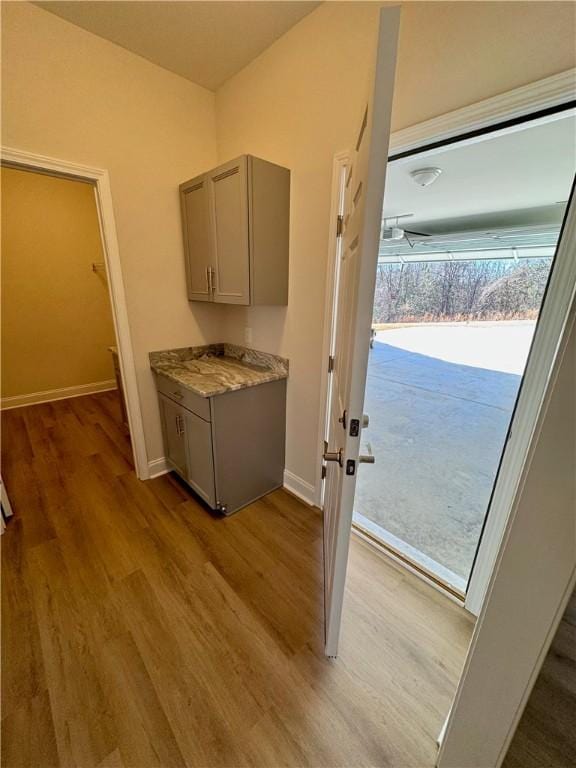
71	95
297	103
455	54
56	317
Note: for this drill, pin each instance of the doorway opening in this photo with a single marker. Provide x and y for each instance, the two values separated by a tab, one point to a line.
63	335
469	232
71	315
58	340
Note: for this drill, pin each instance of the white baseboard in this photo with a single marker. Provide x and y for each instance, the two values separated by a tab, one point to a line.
300	488
49	395
292	483
157	467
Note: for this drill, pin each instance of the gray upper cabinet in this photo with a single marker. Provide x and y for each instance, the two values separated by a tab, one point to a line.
228	186
236	228
197	237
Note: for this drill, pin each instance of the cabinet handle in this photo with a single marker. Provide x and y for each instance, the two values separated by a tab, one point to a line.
210	282
177	394
179	425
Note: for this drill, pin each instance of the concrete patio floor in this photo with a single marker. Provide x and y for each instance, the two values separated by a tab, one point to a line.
439	397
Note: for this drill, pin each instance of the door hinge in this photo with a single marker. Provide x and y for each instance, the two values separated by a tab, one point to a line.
339	225
330	363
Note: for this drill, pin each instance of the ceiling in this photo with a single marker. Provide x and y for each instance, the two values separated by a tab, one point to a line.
205	42
505	179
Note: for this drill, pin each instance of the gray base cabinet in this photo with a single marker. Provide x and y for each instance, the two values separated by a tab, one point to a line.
228	448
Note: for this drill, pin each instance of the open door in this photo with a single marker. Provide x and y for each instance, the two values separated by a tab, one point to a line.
360	233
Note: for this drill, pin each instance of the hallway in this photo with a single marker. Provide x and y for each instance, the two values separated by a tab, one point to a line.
141	631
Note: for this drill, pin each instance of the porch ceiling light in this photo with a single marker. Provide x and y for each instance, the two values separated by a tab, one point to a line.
425	176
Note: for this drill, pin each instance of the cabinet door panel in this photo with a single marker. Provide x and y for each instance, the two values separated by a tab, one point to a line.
229	210
173	427
200	461
198	243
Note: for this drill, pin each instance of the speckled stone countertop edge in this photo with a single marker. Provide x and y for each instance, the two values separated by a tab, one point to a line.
260	368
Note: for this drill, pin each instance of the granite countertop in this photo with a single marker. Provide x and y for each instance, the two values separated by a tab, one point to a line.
217	368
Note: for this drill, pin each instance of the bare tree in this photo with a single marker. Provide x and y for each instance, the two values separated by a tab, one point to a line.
483	289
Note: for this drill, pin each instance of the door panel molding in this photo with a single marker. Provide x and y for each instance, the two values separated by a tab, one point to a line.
360	238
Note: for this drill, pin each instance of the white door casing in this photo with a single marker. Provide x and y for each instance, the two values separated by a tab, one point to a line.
364	197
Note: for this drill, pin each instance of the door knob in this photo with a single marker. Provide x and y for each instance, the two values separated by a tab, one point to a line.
332	455
368	458
365	420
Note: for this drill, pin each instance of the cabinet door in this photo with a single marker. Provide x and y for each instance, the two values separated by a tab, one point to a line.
198	240
228	189
173	426
200	462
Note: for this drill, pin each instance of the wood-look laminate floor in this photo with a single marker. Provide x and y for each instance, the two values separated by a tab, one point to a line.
138	630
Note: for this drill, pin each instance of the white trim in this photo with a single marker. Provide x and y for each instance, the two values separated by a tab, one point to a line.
542	94
158	467
300	488
340	162
442	734
292	483
101	181
63	393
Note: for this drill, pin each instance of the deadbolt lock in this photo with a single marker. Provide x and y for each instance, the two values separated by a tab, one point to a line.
332	455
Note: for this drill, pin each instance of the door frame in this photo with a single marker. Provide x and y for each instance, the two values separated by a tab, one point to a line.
100	180
541	97
530	586
340	164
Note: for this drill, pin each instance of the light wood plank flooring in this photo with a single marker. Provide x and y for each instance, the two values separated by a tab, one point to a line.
139	630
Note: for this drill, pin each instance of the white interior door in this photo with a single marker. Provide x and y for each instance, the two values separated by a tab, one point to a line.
364	195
